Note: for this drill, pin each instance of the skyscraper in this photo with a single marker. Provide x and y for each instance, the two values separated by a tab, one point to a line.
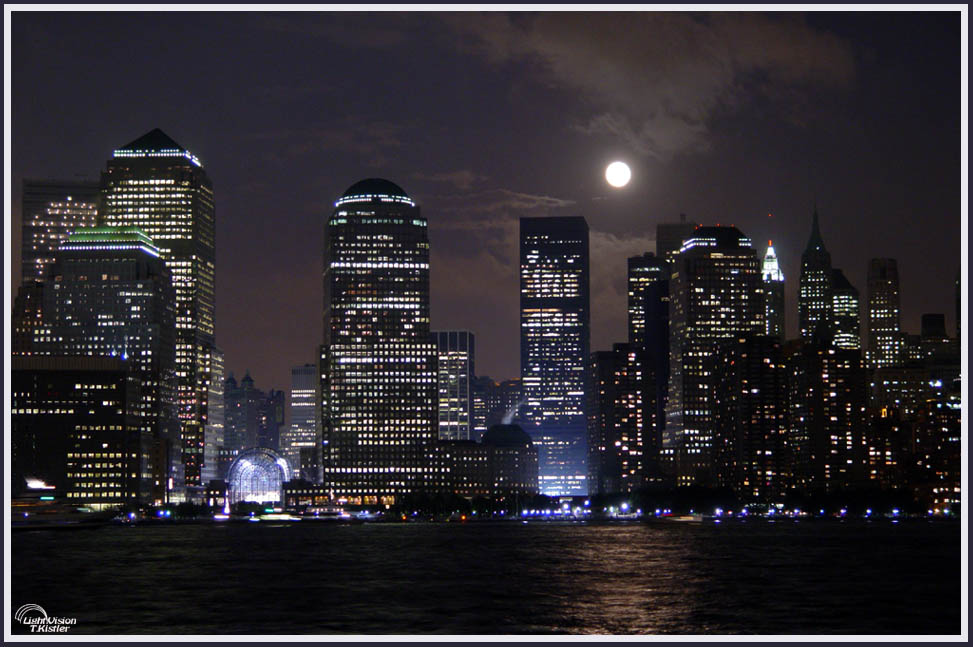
774	305
157	185
554	347
379	392
304	430
845	312
648	330
884	333
814	296
716	296
52	209
456	350
111	295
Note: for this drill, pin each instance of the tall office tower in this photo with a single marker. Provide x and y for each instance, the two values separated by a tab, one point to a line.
215	431
774	304
52	209
750	440
155	184
827	415
304	429
885	343
75	426
814	295
669	237
241	414
648	329
845	312
456	351
111	295
485	398
616	423
270	419
717	295
938	450
554	343
380	390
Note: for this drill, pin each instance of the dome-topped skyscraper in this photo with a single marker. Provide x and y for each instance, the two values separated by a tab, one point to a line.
379	421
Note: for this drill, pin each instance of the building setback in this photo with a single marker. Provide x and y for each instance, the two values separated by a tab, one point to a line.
157	185
379	390
554	347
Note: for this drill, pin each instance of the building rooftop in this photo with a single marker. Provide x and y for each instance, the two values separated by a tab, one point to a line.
375	190
155	143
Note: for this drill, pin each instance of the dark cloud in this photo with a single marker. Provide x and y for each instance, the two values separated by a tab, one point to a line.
656	80
463	179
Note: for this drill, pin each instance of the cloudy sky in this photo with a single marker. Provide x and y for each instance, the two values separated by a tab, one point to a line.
484	118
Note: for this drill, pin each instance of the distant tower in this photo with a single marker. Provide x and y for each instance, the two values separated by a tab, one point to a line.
669	237
884	333
456	349
303	432
814	296
554	347
52	209
845	312
773	280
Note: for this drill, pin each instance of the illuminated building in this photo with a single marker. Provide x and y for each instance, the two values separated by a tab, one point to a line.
938	445
111	295
379	388
845	309
27	316
750	440
827	415
773	279
814	290
155	184
495	403
456	352
554	343
617	427
304	430
52	209
257	475
215	431
75	426
669	237
884	334
716	295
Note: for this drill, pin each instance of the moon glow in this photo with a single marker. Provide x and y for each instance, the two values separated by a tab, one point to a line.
618	174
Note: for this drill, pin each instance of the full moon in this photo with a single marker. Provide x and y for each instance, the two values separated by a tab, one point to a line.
618	174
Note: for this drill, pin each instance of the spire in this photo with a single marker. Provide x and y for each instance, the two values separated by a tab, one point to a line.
815	242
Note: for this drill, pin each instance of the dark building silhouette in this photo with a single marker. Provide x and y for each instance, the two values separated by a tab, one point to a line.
155	184
814	290
379	390
751	453
554	347
669	237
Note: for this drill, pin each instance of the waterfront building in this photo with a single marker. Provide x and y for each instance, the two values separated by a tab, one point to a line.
379	388
885	343
257	475
774	302
75	427
304	429
845	312
716	296
554	347
814	290
504	464
456	353
155	184
750	415
111	295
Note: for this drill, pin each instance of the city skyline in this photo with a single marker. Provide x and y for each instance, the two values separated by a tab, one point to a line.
473	206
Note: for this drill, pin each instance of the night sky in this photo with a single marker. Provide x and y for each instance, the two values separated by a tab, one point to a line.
483	118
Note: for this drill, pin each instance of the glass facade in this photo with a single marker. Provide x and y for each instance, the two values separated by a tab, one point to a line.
554	347
380	387
155	184
258	475
456	350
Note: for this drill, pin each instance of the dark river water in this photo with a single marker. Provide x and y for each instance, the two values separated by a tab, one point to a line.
504	578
